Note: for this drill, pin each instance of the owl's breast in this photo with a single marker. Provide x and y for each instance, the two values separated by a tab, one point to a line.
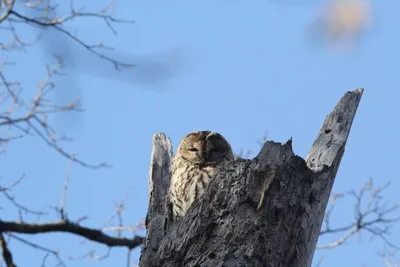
188	184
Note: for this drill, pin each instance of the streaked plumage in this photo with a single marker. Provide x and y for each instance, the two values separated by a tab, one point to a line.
193	166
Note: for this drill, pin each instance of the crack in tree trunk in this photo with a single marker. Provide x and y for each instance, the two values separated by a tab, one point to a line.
266	211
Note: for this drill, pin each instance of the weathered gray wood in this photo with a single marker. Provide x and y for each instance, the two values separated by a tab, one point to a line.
333	134
275	152
261	212
158	212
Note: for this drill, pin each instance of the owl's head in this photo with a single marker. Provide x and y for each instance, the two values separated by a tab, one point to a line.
205	147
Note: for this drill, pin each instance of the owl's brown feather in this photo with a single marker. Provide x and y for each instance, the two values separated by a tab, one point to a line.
193	167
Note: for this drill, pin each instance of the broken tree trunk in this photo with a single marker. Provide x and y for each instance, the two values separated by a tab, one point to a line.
266	211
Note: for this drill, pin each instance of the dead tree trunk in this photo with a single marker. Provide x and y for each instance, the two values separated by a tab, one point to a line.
266	211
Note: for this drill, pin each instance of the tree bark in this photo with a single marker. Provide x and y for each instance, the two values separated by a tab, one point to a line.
266	211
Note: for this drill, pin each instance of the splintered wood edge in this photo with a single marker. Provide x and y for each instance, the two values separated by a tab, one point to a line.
328	148
275	152
159	179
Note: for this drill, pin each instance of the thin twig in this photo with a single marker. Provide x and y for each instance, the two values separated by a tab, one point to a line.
65	189
56	26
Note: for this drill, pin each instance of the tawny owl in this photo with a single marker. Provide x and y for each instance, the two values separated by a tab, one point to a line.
193	167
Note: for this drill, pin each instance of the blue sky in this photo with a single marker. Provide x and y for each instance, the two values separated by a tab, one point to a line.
241	68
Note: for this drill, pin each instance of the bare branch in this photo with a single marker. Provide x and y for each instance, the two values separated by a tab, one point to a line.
118	211
21	207
371	217
73	228
56	254
7	256
10	5
389	259
132	228
6	188
22	117
35	119
56	25
340	240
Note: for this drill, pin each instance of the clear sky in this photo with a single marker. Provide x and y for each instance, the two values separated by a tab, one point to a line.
241	68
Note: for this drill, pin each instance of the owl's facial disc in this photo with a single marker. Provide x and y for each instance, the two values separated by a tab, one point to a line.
192	150
196	155
204	148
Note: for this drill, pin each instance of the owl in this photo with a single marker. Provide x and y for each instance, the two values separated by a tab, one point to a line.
193	166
